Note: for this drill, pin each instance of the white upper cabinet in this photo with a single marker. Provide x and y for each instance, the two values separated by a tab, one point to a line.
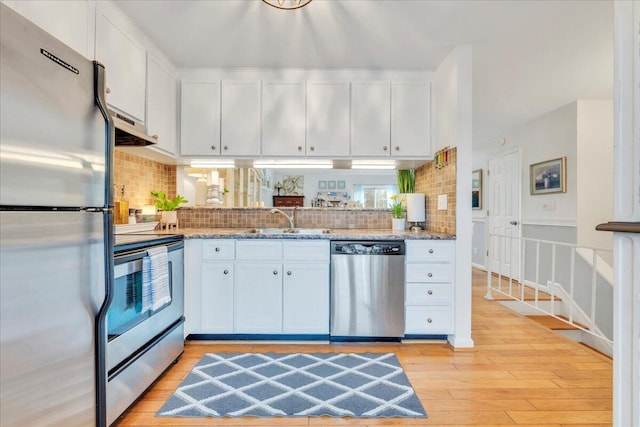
70	21
200	119
161	104
240	119
411	119
283	119
370	119
124	59
327	119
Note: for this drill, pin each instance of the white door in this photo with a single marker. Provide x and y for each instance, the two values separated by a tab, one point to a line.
504	214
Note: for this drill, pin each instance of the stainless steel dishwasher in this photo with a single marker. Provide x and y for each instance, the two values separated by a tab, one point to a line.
367	290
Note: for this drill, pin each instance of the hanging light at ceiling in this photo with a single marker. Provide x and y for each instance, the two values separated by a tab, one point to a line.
287	4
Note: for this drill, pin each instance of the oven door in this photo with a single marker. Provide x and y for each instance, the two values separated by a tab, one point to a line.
129	328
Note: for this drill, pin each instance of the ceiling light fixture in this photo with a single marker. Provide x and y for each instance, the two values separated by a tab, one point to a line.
287	4
213	164
373	164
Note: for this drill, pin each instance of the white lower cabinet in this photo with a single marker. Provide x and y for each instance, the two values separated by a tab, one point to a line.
217	297
429	287
261	287
258	304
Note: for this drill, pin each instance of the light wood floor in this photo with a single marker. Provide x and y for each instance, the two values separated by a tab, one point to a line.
519	373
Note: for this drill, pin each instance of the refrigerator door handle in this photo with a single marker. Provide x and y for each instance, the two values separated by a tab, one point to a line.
99	91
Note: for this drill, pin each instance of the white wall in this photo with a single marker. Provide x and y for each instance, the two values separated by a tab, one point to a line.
453	125
595	171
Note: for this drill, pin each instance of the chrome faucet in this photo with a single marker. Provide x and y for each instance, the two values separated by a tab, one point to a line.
290	218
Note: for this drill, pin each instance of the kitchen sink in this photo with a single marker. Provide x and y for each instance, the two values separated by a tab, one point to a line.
272	231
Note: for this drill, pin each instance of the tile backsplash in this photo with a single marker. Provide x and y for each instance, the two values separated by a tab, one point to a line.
434	181
139	176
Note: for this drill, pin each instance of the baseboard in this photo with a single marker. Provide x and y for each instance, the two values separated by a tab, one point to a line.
457	343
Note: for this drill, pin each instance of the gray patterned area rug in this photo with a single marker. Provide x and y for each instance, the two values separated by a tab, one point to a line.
365	385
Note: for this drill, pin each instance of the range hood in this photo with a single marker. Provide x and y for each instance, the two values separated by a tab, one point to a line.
130	133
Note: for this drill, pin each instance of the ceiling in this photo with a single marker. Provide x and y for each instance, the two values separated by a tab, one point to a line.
529	57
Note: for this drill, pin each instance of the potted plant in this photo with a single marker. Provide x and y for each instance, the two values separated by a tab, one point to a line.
396	208
167	206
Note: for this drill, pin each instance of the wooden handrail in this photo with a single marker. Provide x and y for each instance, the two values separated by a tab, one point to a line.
622	227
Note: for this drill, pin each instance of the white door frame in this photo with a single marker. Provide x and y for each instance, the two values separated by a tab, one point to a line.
488	228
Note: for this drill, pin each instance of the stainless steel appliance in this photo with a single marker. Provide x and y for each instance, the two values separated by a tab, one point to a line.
130	132
367	290
142	342
56	146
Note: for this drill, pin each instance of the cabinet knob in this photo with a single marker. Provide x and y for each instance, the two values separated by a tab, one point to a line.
154	136
226	272
108	90
299	147
429	274
312	148
288	273
429	320
430	292
217	249
275	272
226	147
397	148
430	251
385	148
213	147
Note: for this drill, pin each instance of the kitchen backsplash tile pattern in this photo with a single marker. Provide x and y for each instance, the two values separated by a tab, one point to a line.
139	176
304	217
433	182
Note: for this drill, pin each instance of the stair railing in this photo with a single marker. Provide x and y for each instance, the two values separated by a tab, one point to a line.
567	295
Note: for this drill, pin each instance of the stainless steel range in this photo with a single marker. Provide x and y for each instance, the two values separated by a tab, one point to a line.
142	342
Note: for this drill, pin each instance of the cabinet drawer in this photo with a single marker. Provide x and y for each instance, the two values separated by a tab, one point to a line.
429	250
268	250
218	249
431	294
311	250
428	272
428	319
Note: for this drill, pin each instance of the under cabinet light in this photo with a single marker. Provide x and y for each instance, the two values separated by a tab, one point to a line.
293	164
373	164
213	164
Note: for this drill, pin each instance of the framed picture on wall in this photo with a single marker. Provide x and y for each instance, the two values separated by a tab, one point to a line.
331	185
341	185
476	189
322	185
548	177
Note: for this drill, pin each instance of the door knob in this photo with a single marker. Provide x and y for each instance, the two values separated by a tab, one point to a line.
275	272
430	292
288	273
430	274
514	223
226	272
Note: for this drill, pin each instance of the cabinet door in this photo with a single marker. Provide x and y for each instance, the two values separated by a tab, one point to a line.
370	119
240	119
283	119
327	119
217	298
305	298
411	119
70	21
200	119
258	297
161	105
124	60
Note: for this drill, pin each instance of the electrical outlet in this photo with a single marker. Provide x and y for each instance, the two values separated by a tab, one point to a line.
442	202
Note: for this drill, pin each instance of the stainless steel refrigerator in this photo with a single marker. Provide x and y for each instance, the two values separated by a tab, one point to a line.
55	230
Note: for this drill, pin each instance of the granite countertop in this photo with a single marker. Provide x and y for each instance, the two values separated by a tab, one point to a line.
335	234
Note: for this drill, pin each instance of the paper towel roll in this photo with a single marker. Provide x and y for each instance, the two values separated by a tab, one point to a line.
415	207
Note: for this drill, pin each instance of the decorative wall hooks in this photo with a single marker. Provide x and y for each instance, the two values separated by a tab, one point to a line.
441	158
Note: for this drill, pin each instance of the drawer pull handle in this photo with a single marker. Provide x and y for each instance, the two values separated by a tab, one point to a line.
217	249
430	274
226	147
429	320
226	272
430	251
397	148
275	272
299	147
288	273
312	148
430	292
385	148
213	147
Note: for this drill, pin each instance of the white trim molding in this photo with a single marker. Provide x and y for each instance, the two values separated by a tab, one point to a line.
552	222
